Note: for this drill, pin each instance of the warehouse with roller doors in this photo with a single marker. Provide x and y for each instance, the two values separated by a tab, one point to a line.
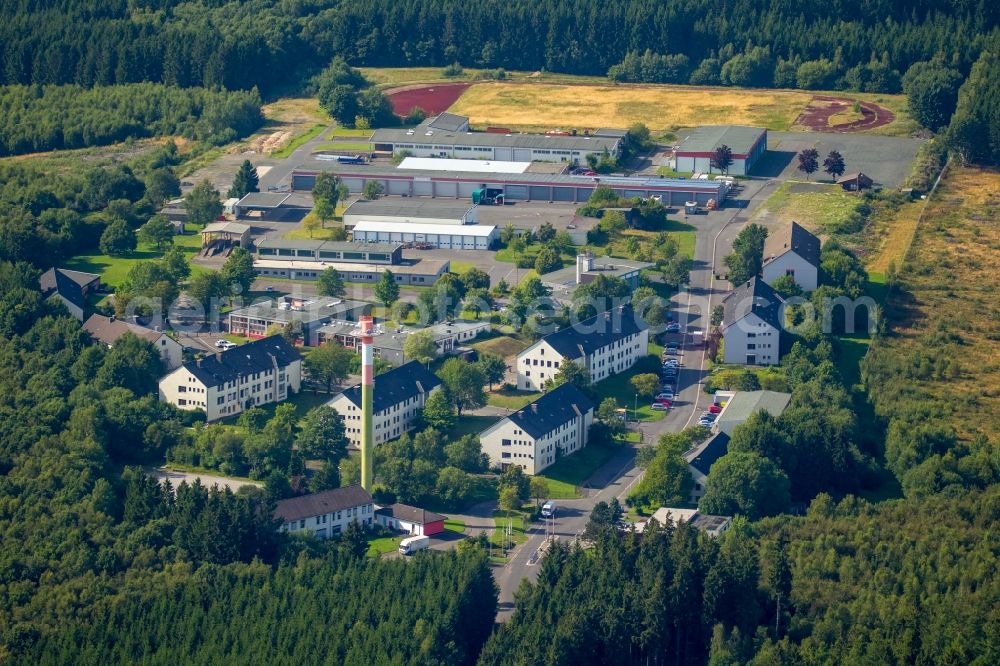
442	236
694	153
514	187
409	211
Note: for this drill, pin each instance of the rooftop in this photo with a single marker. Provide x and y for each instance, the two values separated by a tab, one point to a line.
396	338
109	329
706	523
410	514
703	456
707	138
334	246
558	406
420	228
449	122
288	309
68	284
318	504
422	267
744	403
257	356
411	208
755	296
226	228
430	135
263	199
794	238
715	187
396	385
589	335
609	266
442	164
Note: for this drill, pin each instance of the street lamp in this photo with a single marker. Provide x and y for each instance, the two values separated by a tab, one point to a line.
635	409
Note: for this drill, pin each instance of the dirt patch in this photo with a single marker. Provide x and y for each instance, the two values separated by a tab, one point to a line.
268	143
433	99
821	108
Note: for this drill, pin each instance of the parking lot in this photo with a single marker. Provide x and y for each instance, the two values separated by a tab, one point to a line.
886	159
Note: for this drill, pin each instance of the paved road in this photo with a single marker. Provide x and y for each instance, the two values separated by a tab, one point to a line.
693	309
176	478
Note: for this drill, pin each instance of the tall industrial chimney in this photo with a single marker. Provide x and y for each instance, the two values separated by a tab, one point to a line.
367	390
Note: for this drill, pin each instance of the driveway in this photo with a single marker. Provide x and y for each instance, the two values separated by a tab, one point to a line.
176	478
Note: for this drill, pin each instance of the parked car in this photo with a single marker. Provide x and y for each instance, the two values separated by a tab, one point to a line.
225	344
673	327
708	415
665	395
671	362
714	409
672	350
663	401
704	423
659	407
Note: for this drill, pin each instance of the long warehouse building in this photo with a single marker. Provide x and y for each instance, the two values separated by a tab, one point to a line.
441	236
515	187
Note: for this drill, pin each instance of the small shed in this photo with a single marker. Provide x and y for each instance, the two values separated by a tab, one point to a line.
405	518
855	182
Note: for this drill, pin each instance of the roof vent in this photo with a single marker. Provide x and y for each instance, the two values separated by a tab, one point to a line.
534	407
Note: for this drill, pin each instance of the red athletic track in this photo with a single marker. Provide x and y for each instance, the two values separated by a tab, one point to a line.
433	99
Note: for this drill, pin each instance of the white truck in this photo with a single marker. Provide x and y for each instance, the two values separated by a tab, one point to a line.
410	545
549	509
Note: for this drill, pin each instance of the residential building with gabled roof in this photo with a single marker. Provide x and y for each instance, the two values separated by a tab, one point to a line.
70	287
794	252
606	344
327	513
535	436
398	399
110	329
751	324
227	382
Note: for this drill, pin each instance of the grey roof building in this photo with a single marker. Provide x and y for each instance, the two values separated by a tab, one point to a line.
71	287
316	504
396	386
753	296
795	238
744	403
703	456
448	122
257	356
748	144
595	333
388	344
551	410
310	313
432	211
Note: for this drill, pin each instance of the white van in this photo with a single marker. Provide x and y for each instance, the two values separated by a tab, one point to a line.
549	509
410	545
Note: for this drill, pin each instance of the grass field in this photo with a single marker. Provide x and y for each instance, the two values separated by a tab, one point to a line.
298	140
510	398
114	269
544	106
573	470
895	238
815	206
504	346
339	131
946	306
383	545
350	146
620	388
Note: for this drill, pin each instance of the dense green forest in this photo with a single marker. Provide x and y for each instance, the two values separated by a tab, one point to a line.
37	118
266	43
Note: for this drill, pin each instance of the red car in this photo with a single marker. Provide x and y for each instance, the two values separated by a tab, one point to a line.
714	409
664	401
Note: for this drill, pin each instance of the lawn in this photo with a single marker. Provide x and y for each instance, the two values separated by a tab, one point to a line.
470	425
303	402
350	146
816	206
517	528
298	140
114	269
339	131
459	266
895	237
548	106
682	232
571	471
561	489
504	346
620	388
383	545
511	399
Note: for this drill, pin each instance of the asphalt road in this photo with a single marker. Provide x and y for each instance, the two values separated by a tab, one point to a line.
692	308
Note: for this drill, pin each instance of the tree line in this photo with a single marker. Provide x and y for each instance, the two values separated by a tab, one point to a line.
38	118
214	44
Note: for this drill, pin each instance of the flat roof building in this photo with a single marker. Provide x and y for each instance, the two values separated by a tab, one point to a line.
442	236
448	135
528	186
711	525
388	344
409	211
273	206
694	153
423	272
281	249
588	267
445	164
254	321
216	234
743	404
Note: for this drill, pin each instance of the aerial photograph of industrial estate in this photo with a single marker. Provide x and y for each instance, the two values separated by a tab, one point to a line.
499	333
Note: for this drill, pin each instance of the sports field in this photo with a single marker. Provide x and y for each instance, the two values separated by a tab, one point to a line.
543	106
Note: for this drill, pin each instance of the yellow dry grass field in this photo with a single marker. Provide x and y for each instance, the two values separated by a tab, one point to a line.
951	281
541	106
895	238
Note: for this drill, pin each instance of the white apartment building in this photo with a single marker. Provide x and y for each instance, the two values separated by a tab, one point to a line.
794	252
533	437
328	513
751	324
605	345
225	383
399	397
